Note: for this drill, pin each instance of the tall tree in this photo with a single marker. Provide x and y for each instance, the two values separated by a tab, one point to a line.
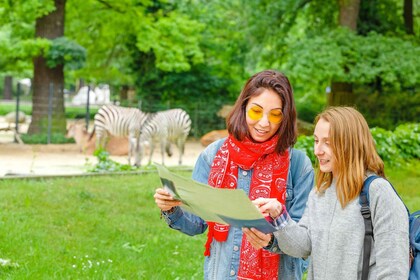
48	82
342	91
408	16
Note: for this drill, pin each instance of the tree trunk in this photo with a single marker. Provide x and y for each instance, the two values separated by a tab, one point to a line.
349	13
47	79
8	90
342	92
408	16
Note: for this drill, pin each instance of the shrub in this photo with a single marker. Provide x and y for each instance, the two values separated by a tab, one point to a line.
306	145
385	145
394	148
105	164
407	139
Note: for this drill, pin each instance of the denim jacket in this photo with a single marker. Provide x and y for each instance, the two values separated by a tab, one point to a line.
223	262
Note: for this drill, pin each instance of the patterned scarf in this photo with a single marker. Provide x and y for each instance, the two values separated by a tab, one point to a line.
268	180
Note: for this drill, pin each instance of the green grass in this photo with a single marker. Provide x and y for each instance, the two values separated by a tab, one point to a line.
91	228
107	227
406	180
71	112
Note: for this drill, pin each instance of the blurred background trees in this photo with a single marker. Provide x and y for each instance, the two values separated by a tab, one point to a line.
196	54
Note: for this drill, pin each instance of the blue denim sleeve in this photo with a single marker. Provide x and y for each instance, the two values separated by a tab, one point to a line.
302	186
182	220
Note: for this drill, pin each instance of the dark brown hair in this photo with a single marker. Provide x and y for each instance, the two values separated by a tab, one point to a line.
278	83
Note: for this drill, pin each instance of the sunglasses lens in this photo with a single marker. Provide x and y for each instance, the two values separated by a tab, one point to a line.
275	116
255	113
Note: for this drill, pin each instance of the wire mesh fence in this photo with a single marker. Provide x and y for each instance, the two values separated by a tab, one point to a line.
47	110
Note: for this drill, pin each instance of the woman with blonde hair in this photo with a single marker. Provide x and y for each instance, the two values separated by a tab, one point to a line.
332	229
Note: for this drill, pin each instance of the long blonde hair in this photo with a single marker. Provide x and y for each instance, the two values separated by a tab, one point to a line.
354	153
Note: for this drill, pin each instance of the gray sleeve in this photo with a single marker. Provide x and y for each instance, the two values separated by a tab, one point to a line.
390	231
293	237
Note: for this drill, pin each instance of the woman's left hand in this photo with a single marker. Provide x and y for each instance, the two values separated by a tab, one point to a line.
257	238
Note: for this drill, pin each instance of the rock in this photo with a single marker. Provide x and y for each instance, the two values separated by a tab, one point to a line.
11	117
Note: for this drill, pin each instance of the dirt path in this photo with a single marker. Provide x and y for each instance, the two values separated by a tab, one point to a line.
66	159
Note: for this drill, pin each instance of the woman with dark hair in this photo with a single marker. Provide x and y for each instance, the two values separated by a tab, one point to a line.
332	229
258	158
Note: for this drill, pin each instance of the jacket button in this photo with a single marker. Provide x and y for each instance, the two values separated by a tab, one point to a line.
235	248
244	173
232	272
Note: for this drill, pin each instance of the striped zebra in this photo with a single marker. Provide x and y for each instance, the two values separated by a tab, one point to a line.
166	127
120	122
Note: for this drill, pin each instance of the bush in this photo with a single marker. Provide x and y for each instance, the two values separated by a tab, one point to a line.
407	139
385	145
306	145
394	148
105	164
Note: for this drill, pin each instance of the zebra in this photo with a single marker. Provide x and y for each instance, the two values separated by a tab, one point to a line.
122	122
165	127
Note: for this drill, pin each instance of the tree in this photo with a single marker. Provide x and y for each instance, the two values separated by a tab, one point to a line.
48	83
342	91
408	16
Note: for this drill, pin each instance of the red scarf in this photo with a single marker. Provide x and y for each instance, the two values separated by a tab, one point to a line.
269	179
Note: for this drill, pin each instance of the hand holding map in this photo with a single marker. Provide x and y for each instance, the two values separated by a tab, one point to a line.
224	206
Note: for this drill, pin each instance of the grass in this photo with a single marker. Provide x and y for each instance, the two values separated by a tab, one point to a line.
107	227
91	228
71	112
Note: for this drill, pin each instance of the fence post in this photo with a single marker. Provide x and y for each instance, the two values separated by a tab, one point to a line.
196	121
17	113
87	117
50	97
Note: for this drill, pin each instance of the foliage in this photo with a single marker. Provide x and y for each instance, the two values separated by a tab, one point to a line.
55	138
407	139
105	164
153	27
65	52
385	145
388	108
394	147
306	145
18	44
344	56
191	50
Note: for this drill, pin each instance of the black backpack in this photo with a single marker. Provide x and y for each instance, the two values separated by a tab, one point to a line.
414	232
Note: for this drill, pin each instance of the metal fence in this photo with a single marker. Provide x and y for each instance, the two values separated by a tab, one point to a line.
204	119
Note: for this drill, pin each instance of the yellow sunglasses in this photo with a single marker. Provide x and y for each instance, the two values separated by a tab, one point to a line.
256	113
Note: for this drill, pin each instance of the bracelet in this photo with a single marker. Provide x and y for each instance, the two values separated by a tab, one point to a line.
168	212
270	243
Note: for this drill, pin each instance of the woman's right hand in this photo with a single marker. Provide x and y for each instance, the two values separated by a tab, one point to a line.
164	200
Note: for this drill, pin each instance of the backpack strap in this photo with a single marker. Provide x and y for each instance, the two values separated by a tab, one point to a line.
365	210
